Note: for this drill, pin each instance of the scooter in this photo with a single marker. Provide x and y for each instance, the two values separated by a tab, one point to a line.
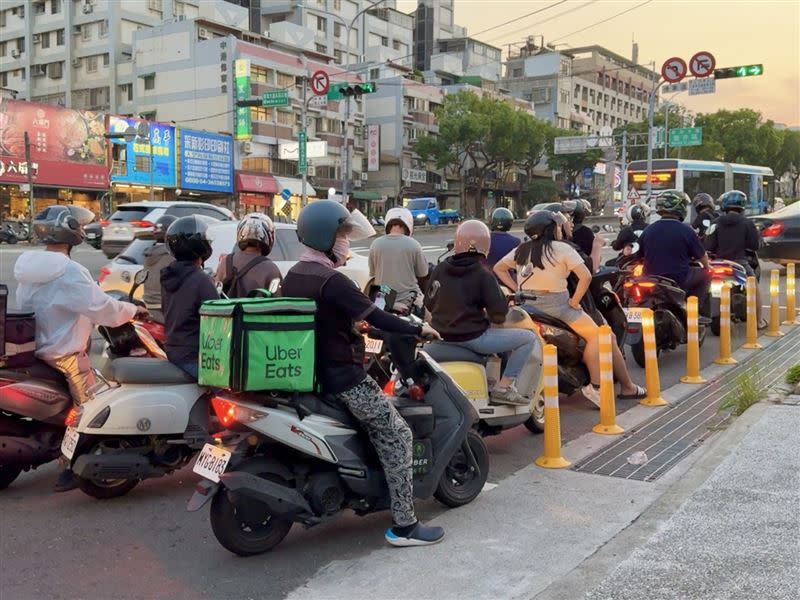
303	458
8	235
722	272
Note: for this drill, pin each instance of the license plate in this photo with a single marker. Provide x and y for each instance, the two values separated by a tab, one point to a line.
372	346
70	442
716	289
633	315
118	233
91	236
211	462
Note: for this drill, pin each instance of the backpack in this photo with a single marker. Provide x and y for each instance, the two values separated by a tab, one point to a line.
233	284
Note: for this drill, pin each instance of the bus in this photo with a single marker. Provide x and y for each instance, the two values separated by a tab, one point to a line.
715	178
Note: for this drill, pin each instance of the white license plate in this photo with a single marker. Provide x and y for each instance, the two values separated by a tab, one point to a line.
118	233
372	346
716	289
91	236
70	442
211	462
634	315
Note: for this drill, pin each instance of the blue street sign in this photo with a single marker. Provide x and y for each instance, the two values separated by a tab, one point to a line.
588	172
286	194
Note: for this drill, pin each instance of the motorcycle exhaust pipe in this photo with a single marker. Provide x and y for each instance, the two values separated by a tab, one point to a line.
281	500
115	466
26	452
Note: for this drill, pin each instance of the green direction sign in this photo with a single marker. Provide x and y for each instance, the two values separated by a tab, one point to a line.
303	159
277	98
658	142
687	136
243	125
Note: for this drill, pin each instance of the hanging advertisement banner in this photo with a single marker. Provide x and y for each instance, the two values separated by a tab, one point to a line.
206	161
243	127
373	147
67	146
132	163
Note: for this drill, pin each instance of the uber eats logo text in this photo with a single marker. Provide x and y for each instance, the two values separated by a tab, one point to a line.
283	362
210	347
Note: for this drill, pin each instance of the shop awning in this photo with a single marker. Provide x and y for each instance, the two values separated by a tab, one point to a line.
295	186
371	196
257	183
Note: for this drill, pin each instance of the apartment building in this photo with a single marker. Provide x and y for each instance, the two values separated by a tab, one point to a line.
584	88
433	21
466	56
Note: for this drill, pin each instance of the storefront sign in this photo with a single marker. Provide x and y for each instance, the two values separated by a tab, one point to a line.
206	161
132	165
415	175
373	147
243	126
67	146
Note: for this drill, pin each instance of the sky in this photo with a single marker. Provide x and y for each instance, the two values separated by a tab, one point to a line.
736	32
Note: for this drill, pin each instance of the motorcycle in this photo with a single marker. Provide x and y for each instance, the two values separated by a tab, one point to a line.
7	234
303	458
722	272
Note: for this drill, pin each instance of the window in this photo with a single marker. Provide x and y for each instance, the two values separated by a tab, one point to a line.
154	5
322	24
106	59
39	8
285	81
98	97
60	37
375	73
337	54
86	32
103	26
45	39
384	41
2	18
2	48
3	79
396	44
126	91
261	74
337	4
337	30
142	164
150	81
286	118
260	165
322	48
91	64
260	113
55	7
55	70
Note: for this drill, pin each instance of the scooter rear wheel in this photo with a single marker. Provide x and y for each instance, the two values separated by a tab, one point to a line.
243	536
535	423
106	490
462	481
8	474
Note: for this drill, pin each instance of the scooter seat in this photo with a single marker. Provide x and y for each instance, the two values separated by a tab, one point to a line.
545	318
152	371
329	407
450	352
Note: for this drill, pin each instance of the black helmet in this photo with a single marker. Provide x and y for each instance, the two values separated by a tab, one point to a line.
319	222
581	210
502	219
638	212
62	224
672	202
187	239
539	221
733	200
159	231
703	200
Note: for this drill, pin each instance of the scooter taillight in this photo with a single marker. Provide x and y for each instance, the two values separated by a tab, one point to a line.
416	393
73	417
636	291
722	271
230	413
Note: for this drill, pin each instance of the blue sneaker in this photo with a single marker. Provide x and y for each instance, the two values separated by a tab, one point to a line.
414	535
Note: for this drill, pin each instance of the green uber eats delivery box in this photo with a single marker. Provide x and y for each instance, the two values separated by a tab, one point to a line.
257	344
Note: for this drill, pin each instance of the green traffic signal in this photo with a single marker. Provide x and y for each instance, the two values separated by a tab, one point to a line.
338	91
742	71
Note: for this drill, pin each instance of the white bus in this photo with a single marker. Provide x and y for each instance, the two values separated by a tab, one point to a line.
715	178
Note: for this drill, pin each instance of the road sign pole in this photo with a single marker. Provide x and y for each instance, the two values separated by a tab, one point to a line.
666	129
303	116
651	109
624	185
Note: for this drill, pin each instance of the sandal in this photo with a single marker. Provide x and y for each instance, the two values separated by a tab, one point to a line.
638	395
763	324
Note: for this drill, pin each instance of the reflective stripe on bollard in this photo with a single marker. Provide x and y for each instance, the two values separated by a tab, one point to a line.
551	458
725	357
692	344
774	304
752	319
608	411
651	376
791	307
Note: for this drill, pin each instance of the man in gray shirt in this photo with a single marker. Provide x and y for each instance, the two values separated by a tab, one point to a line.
397	260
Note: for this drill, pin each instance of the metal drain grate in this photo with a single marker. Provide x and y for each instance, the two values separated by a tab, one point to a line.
668	437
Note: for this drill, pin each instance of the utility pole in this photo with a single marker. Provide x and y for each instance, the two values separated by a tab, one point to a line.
624	179
303	116
29	169
651	109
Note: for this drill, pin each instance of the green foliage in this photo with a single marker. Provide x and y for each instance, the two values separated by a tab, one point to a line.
570	165
749	390
540	189
793	375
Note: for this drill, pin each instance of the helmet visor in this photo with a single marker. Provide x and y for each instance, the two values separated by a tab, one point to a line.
357	227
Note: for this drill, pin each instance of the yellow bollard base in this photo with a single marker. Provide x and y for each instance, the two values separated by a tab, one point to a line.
774	334
791	323
755	346
552	463
726	361
608	429
653	402
688	379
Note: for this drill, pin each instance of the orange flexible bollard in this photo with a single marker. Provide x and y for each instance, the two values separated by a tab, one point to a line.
725	357
752	318
608	410
774	329
551	458
791	306
651	376
692	343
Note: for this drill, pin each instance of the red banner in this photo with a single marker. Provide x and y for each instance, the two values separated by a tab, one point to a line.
67	146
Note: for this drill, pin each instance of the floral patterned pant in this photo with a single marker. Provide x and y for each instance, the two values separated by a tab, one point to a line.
391	437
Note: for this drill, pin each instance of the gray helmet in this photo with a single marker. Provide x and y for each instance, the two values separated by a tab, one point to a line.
62	224
256	228
319	222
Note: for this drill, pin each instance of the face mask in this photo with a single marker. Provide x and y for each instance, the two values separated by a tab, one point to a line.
341	250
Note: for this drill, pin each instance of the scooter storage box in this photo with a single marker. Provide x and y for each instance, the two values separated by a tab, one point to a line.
257	344
17	335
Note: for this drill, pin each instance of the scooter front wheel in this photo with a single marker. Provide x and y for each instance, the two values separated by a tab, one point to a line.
535	423
466	473
106	489
238	529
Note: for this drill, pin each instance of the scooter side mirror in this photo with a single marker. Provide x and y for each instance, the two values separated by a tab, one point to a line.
706	223
595	229
634	247
450	245
141	276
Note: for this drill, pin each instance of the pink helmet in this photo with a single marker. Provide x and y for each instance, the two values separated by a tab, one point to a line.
473	236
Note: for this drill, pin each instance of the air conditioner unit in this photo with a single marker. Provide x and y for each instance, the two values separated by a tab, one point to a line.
37	37
364	176
87	9
76	62
15	53
357	183
247	147
311	170
202	33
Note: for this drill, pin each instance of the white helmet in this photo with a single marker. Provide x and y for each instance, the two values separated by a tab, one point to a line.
256	228
400	214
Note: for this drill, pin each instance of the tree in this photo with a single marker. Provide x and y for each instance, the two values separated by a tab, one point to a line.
678	117
570	165
788	160
540	189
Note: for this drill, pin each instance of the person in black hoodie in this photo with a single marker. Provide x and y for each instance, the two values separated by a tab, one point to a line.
465	299
629	235
704	206
156	257
184	287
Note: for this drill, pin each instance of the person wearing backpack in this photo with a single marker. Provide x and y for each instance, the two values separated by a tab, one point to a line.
249	268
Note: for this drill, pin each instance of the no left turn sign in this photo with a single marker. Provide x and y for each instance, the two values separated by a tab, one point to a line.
320	82
674	69
702	64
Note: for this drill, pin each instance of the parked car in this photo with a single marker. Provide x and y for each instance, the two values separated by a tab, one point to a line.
118	274
133	219
426	211
94	234
780	231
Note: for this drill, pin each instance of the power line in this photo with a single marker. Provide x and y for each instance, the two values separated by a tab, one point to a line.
561	14
515	19
619	14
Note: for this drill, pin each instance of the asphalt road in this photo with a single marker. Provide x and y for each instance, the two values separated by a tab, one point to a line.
146	545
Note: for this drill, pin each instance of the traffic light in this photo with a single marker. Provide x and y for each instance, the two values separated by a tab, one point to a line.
338	91
742	71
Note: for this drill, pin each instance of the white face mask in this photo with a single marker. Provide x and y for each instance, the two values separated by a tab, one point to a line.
341	250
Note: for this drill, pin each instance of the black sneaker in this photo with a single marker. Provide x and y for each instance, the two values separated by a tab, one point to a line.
66	481
414	535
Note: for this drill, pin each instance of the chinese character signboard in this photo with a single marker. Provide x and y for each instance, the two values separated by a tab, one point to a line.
687	136
67	146
243	125
373	147
132	165
206	161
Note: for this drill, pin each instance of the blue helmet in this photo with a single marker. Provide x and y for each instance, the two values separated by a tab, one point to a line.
733	200
319	223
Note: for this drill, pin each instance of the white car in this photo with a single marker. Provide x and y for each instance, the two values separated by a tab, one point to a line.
135	218
118	274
